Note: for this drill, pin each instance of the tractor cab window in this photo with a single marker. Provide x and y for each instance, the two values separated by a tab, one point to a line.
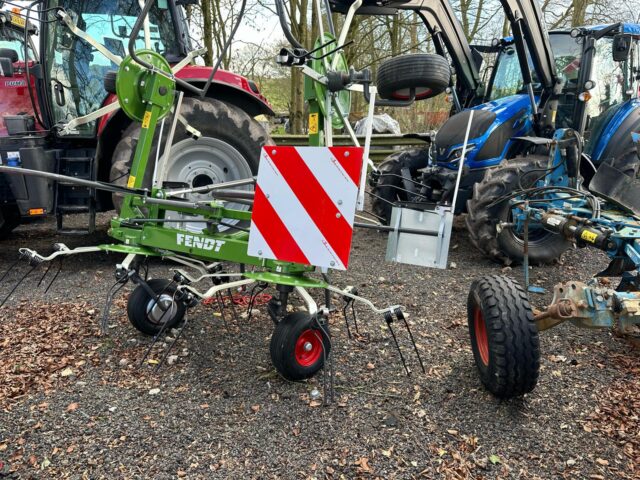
14	40
76	70
567	52
610	88
507	79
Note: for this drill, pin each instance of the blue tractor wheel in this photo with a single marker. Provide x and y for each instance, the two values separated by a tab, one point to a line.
488	215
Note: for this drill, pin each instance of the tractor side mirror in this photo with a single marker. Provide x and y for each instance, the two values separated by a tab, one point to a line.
621	47
6	67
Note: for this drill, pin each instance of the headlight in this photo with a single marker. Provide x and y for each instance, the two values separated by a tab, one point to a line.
455	155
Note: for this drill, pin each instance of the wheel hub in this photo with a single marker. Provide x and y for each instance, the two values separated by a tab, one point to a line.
309	348
156	310
202	162
481	336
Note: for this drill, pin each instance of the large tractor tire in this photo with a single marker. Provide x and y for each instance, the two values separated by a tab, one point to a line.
486	212
504	336
428	74
229	149
390	188
9	220
628	163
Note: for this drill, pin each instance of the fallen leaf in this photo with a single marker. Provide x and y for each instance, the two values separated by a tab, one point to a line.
255	408
557	358
363	464
495	459
602	461
67	372
72	407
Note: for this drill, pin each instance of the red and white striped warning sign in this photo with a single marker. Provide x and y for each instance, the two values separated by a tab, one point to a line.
305	203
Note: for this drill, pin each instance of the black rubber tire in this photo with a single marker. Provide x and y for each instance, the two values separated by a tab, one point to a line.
283	345
9	220
110	81
214	119
388	183
428	73
628	163
139	301
512	350
483	217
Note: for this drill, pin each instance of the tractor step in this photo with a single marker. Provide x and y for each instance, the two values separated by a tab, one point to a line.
71	199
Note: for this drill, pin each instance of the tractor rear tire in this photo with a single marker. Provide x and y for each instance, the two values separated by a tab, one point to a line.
149	317
229	148
628	163
484	215
299	347
427	73
9	220
390	183
504	336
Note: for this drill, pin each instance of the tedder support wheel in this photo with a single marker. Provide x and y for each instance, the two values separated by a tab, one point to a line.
485	212
149	316
427	73
299	346
390	188
229	149
504	337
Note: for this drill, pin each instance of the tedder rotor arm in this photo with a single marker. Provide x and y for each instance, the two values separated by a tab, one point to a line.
139	25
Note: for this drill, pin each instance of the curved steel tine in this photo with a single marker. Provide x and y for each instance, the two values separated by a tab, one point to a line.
388	317
401	316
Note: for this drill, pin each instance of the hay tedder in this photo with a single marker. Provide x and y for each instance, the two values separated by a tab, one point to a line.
295	218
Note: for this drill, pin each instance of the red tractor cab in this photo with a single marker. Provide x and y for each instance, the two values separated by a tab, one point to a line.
14	56
67	81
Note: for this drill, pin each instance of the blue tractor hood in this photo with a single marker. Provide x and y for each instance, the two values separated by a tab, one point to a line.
494	124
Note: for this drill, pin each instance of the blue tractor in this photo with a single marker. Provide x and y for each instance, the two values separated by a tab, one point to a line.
584	79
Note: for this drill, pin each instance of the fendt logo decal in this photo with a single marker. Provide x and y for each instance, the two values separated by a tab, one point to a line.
201	243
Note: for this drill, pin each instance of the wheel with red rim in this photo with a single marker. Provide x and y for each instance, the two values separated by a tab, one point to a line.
504	336
299	346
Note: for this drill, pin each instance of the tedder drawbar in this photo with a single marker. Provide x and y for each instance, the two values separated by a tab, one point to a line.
303	207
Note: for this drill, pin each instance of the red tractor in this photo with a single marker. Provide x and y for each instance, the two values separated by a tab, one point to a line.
66	78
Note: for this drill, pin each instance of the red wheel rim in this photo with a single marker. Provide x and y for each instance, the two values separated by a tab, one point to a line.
308	348
481	336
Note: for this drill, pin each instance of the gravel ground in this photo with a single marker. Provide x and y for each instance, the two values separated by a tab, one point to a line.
76	404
